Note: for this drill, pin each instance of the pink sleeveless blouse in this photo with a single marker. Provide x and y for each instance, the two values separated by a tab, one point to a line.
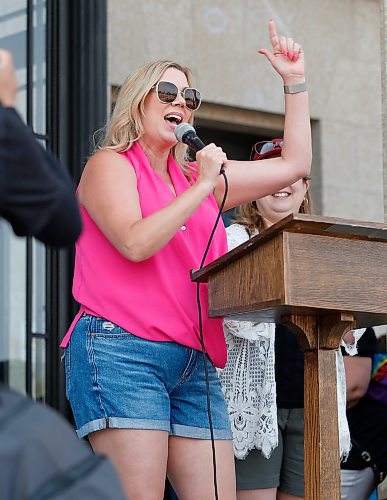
153	299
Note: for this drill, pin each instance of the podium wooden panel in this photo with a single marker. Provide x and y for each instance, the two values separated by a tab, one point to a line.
320	277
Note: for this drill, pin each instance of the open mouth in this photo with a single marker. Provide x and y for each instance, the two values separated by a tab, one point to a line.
282	194
173	118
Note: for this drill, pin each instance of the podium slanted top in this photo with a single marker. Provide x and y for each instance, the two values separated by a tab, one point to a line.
303	265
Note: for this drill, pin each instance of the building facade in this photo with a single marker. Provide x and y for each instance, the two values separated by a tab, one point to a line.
243	96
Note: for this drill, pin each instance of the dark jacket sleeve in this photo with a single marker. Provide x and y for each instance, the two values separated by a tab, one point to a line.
36	193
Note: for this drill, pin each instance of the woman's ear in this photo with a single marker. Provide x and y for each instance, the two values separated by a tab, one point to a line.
306	184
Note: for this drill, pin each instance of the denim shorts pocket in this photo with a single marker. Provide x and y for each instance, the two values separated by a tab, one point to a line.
101	327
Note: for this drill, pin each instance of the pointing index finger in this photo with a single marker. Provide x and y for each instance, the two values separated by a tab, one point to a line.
273	35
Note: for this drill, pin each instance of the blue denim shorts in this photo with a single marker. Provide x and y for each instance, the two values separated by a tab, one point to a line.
115	379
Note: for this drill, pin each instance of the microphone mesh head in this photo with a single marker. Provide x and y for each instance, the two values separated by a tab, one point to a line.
182	129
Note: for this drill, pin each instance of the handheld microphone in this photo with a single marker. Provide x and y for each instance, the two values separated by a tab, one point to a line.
186	134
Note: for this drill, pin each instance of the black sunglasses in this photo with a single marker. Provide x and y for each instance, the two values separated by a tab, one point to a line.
262	147
167	93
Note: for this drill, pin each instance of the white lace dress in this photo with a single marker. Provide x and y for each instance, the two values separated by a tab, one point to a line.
248	380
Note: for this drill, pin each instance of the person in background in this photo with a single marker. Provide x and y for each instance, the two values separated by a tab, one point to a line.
263	380
36	193
39	450
134	366
366	465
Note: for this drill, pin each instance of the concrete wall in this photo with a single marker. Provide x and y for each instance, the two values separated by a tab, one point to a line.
218	40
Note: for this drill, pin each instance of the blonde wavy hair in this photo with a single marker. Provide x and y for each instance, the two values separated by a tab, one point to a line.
248	215
125	126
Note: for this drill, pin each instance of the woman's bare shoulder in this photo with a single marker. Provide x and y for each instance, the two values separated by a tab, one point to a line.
105	170
104	157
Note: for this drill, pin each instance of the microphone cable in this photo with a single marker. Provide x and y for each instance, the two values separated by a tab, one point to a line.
222	171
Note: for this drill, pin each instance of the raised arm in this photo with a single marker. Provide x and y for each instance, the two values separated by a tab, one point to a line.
251	180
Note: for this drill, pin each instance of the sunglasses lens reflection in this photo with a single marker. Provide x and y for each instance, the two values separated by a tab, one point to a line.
167	92
265	147
192	98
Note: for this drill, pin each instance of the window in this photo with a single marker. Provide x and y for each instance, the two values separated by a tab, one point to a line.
62	95
23	261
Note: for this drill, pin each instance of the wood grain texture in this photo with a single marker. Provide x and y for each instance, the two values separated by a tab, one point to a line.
327	272
321	442
320	276
319	336
300	223
256	279
287	271
319	332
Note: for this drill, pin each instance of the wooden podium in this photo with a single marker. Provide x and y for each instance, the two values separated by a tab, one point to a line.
319	276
